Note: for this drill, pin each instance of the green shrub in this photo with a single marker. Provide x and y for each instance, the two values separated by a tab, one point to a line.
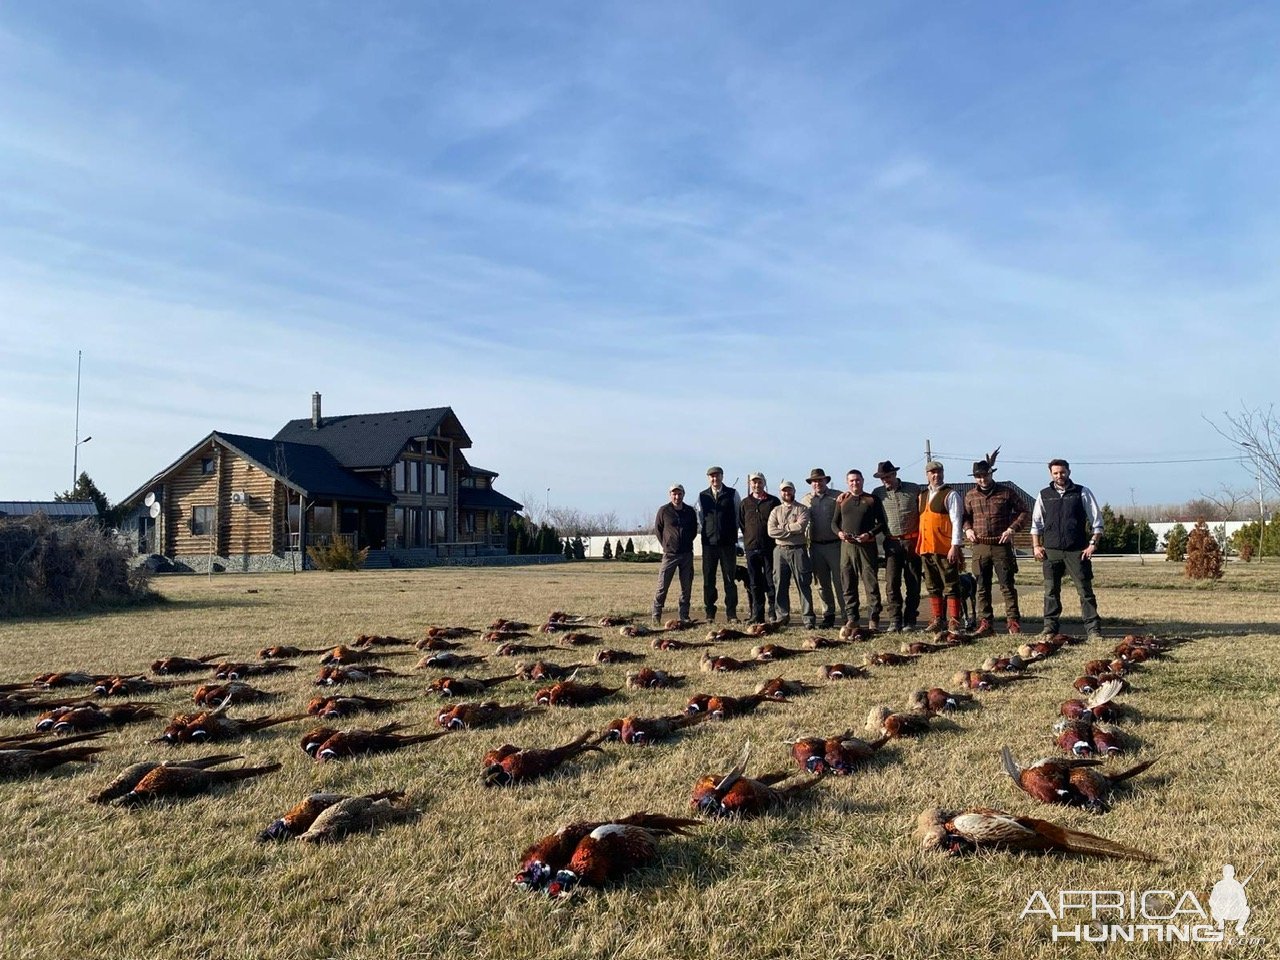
1175	544
47	567
338	554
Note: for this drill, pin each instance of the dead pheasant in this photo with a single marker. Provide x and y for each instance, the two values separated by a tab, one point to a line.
982	828
649	679
546	858
164	782
448	660
839	755
778	687
822	643
984	680
132	775
724	634
609	852
888	659
357	815
345	656
607	656
449	633
466	686
509	765
183	664
520	649
1074	737
546	670
671	643
509	625
642	731
333	676
84	719
713	664
735	794
853	633
894	725
437	643
216	725
1075	782
840	671
773	651
578	639
242	671
349	705
233	691
570	693
24	762
726	707
352	743
676	625
366	640
613	621
75	678
502	636
468	716
1099	706
298	819
279	652
120	686
936	700
634	630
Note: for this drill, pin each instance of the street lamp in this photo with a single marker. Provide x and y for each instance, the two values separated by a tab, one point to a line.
1262	512
75	463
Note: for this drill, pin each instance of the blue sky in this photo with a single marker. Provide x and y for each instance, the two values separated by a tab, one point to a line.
624	241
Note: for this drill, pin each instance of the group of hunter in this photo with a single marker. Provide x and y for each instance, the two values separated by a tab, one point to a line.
839	540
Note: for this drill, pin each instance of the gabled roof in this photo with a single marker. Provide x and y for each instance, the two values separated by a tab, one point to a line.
469	498
308	469
55	509
374	440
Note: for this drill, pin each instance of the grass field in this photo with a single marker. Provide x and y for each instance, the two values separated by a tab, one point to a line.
836	875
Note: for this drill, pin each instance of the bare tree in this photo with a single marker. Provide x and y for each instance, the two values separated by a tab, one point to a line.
1227	501
1256	432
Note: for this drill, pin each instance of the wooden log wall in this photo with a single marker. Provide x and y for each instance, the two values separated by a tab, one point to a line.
240	528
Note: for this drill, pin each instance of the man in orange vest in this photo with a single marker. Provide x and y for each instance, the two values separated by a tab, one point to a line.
941	516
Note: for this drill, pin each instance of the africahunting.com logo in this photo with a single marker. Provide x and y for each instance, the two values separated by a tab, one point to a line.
1159	916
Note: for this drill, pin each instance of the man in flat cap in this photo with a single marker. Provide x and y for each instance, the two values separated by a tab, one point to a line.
676	525
718	522
993	513
824	545
788	526
901	502
753	517
941	523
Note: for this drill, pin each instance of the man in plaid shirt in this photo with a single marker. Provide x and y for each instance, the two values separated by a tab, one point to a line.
993	513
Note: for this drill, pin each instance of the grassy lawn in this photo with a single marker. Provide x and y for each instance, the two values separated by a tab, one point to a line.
837	874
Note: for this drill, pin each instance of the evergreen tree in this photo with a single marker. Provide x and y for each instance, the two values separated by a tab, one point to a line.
86	489
1175	544
631	548
617	550
607	553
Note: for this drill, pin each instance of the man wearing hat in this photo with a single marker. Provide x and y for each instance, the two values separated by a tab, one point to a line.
676	525
941	520
788	525
901	502
824	545
753	517
993	513
718	522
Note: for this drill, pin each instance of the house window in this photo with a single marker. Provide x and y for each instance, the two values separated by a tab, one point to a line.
439	529
406	476
202	521
469	522
408	523
441	472
208	466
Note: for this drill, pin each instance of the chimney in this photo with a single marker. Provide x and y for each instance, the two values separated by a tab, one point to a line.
315	410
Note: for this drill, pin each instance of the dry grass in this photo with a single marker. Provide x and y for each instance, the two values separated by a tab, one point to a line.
836	876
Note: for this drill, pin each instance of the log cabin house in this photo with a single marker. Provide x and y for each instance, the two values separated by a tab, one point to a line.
397	483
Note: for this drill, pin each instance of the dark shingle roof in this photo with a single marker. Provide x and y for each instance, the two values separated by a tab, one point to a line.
307	468
56	509
470	498
373	440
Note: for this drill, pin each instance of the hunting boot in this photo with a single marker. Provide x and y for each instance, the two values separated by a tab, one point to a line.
955	621
937	623
984	628
1015	627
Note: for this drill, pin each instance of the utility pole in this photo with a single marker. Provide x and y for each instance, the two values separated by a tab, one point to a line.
928	451
75	456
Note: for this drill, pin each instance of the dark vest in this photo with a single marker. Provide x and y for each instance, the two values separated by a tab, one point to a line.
719	519
1066	524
